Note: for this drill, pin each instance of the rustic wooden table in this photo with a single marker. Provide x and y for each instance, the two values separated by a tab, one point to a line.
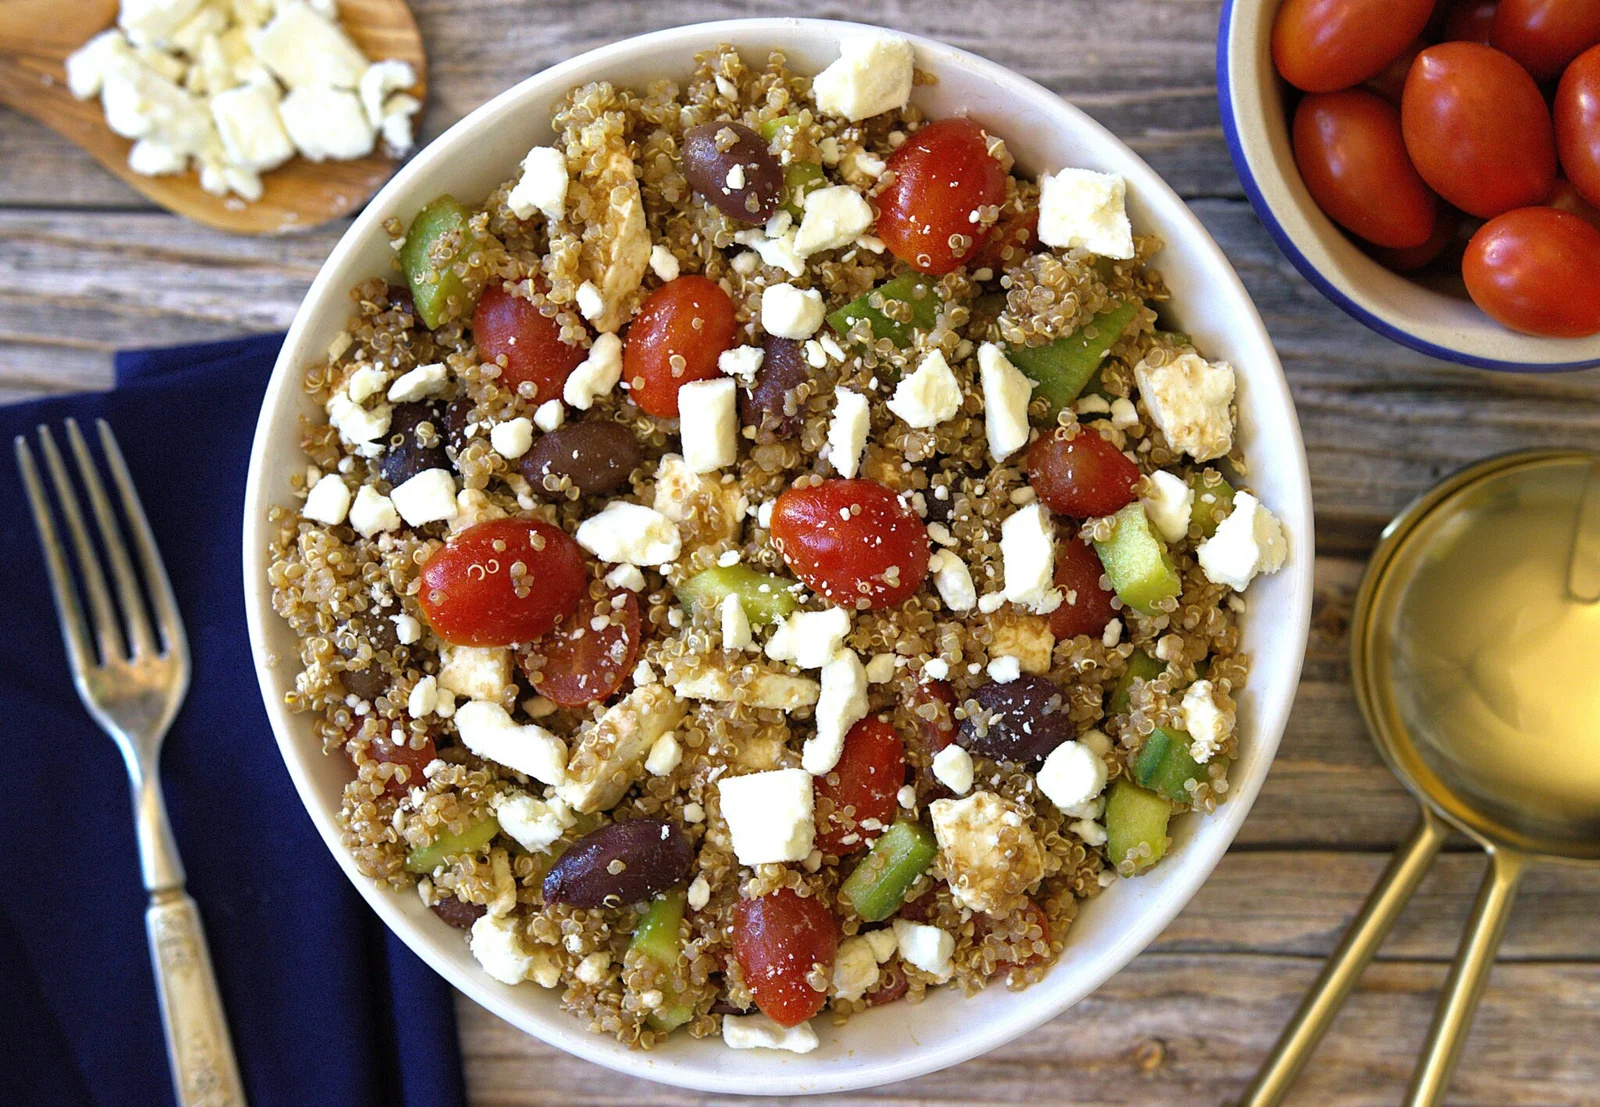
86	268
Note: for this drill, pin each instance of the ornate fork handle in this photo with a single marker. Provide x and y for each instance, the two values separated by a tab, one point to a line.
203	1069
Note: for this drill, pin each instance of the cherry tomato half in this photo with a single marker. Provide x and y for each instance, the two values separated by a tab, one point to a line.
1082	476
578	662
501	582
778	940
1353	159
1477	129
1537	270
1469	21
864	785
1085	605
1544	35
382	750
943	174
681	330
853	541
1011	240
1578	124
1326	45
507	326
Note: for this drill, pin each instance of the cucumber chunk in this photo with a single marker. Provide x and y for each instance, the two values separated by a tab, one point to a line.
766	598
424	859
1213	501
1141	666
1165	765
1141	571
800	178
910	288
438	291
1136	825
656	937
1061	369
879	884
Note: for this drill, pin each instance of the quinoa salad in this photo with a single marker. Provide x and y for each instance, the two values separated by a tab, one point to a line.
770	557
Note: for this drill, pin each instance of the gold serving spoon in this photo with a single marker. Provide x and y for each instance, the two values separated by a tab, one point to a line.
37	35
1474	646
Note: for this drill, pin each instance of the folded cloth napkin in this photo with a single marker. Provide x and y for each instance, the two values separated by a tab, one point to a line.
326	1007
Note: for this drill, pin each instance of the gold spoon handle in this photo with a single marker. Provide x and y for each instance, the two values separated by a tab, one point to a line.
1344	967
1459	1002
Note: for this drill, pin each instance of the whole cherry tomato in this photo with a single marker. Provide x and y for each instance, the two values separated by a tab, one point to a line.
1326	45
1578	124
1537	270
1353	159
853	541
681	330
1563	197
864	785
1544	35
1391	82
1085	605
943	175
1082	476
1408	259
588	654
1469	21
507	326
1477	129
779	940
501	582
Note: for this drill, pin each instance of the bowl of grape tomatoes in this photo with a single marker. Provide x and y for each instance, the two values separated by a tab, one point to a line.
1431	166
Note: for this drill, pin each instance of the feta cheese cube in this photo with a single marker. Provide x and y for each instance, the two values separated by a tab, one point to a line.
834	217
497	944
373	513
630	533
989	855
847	430
535	824
855	969
1028	551
427	497
252	134
327	123
1205	721
475	672
662	263
925	947
488	731
513	438
305	49
883	943
1079	208
880	670
760	1032
929	396
550	416
953	580
769	815
154	22
735	624
88	65
1249	541
790	312
1006	392
328	501
1072	775
419	383
872	75
378	81
952	767
1123	414
810	639
841	703
543	185
708	424
596	375
1188	400
1168	505
665	755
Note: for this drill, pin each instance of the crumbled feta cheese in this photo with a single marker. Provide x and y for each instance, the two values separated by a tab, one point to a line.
1123	414
513	438
1112	634
1168	504
590	303
952	767
1188	399
542	187
424	697
327	123
488	731
358	424
790	312
834	217
841	703
1205	721
847	431
407	629
907	797
88	65
760	1032
699	889
735	624
475	672
1003	670
328	501
662	263
769	815
665	755
1082	208
936	669
535	824
1092	833
426	498
418	384
379	80
305	49
594	968
1249	541
953	580
1028	551
810	639
872	75
708	424
883	943
855	968
252	134
596	375
497	945
631	533
880	669
1006	392
929	396
549	416
1073	774
1092	404
155	22
777	251
366	382
925	947
743	362
626	576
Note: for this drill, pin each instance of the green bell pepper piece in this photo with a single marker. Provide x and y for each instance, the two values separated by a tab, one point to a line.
1141	666
656	937
424	859
766	598
912	288
1060	369
435	284
1136	560
1213	501
879	884
1135	818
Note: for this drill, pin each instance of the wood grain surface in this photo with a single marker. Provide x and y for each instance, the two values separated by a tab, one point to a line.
87	266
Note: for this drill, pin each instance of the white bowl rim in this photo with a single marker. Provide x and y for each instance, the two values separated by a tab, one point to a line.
1194	864
1247	149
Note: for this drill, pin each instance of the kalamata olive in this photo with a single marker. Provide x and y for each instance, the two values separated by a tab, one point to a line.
400	301
768	402
372	627
621	863
407	456
739	177
1021	720
459	913
368	683
597	456
457	418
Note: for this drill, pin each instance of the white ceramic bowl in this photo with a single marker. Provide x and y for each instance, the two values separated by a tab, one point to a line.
1440	321
898	1041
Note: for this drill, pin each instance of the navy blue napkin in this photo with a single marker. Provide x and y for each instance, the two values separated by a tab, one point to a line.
326	1007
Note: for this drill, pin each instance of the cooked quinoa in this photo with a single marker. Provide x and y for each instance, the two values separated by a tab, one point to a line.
689	698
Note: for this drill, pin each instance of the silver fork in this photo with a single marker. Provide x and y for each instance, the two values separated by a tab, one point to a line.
132	686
